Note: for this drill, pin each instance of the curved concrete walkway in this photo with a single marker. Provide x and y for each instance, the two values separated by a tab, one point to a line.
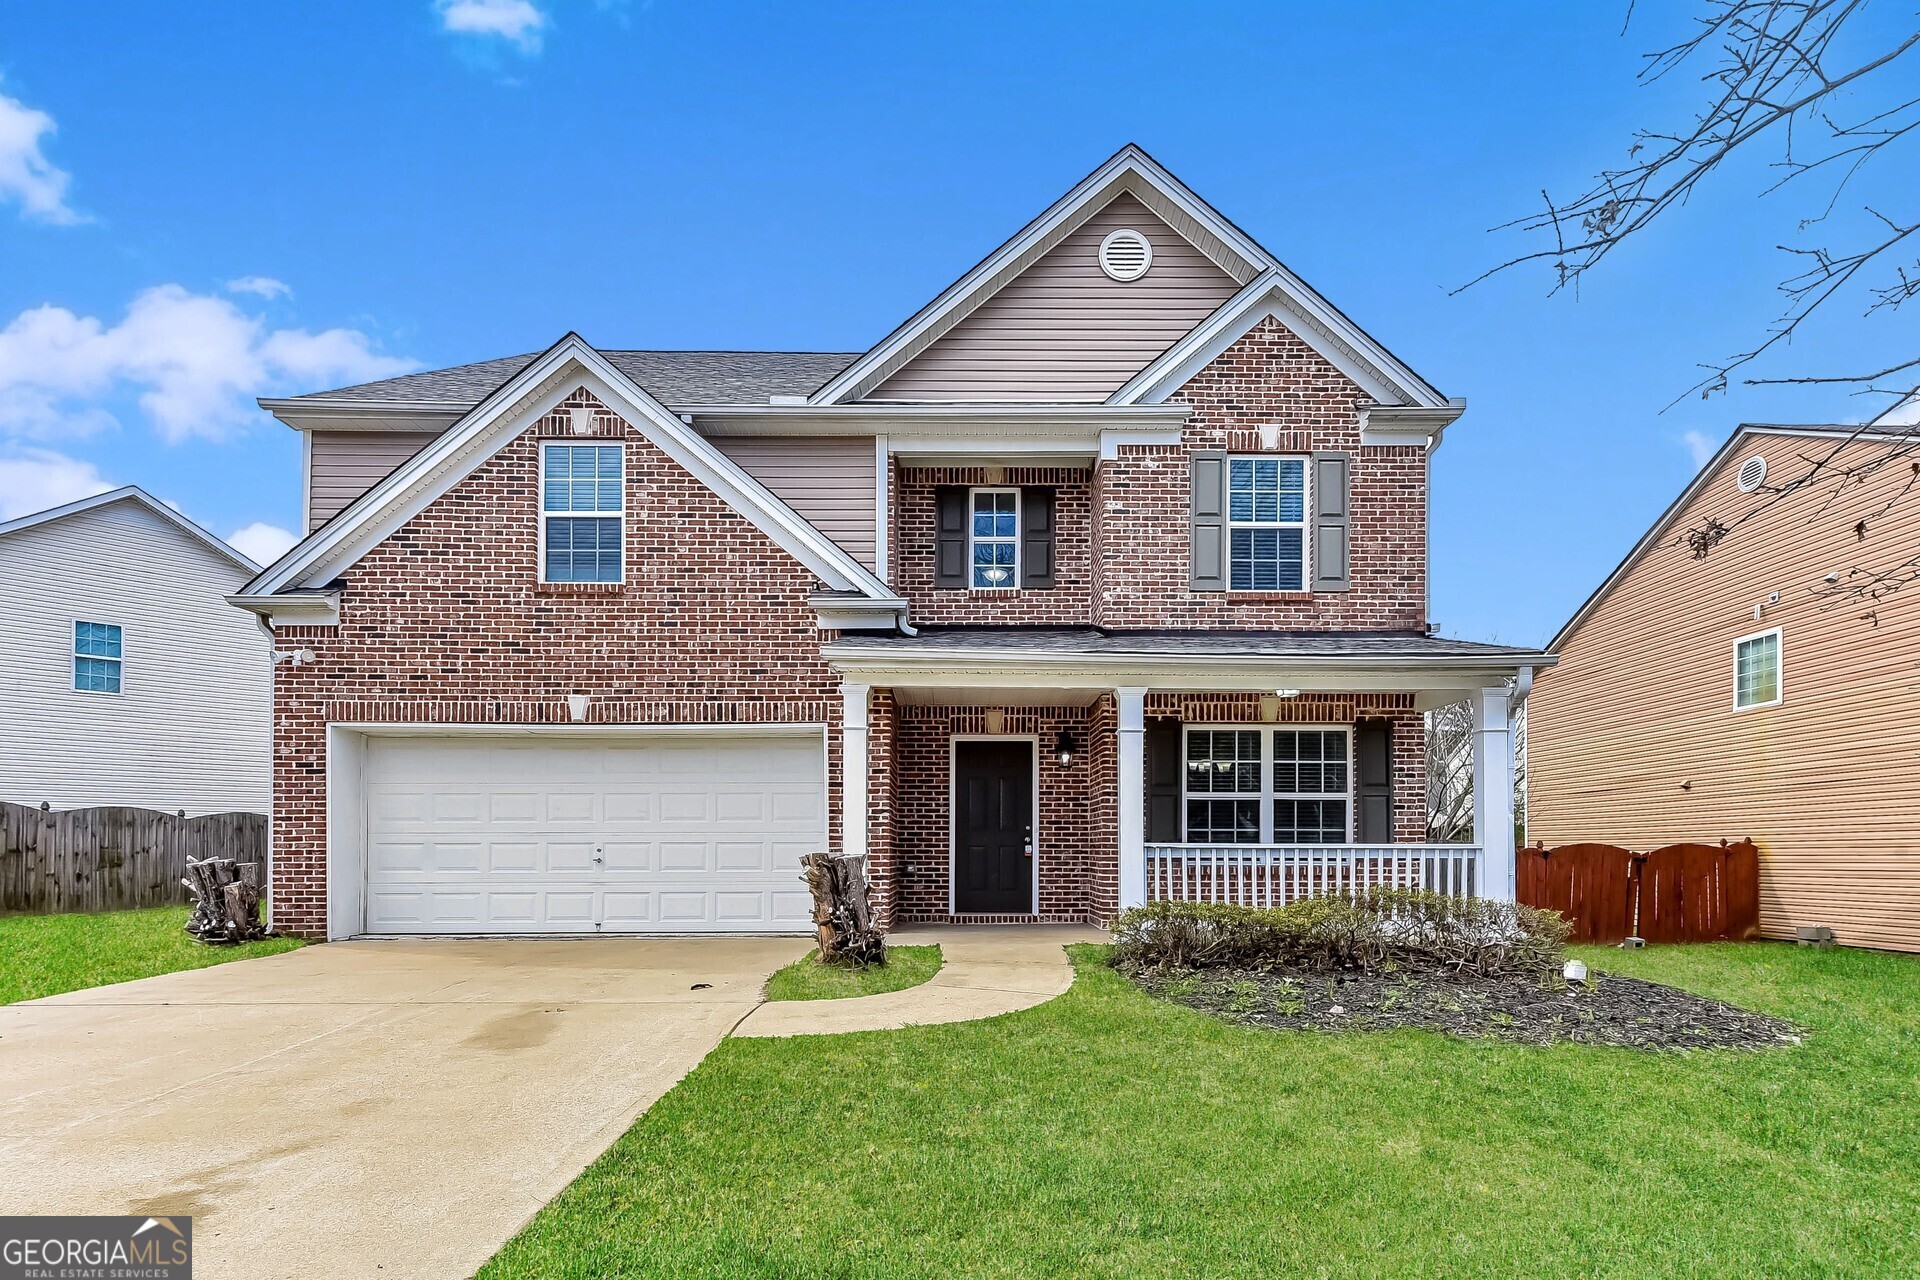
985	970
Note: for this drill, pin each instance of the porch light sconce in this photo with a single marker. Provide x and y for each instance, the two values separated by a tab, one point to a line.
577	704
1065	748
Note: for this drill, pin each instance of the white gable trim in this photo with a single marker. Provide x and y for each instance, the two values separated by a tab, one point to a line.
1280	294
135	494
1129	170
502	417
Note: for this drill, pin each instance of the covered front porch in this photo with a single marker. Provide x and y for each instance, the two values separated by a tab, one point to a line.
1059	775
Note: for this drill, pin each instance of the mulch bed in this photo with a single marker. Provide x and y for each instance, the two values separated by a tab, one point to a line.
1624	1012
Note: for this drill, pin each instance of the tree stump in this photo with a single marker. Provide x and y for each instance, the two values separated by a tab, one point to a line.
226	901
842	910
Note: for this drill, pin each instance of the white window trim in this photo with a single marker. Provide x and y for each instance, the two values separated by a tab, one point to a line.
1019	535
74	654
1305	525
543	515
1267	794
1779	672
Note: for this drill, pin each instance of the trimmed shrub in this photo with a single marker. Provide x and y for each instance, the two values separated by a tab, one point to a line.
1373	931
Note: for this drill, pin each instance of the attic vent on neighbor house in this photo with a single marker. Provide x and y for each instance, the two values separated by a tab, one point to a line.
1125	254
1753	474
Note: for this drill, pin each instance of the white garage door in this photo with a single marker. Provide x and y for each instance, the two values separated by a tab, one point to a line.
671	833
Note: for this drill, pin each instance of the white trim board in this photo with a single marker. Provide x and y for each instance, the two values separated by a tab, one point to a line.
568	365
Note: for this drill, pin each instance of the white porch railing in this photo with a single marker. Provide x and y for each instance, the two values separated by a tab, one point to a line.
1258	875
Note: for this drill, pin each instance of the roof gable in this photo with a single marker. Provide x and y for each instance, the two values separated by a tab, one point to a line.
140	497
1129	170
530	394
1063	330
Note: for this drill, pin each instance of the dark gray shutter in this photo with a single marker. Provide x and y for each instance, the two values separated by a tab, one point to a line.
1036	538
1163	781
1373	783
1209	521
950	537
1332	523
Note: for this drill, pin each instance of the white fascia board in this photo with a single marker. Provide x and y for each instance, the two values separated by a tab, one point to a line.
496	421
293	609
139	496
842	613
903	417
1128	169
1408	424
312	414
1080	671
1281	295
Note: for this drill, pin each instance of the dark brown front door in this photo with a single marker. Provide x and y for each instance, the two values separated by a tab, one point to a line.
993	827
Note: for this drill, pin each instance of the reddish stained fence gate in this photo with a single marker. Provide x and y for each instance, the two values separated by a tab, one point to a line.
1679	893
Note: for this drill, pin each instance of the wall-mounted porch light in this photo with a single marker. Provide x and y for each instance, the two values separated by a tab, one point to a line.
1065	748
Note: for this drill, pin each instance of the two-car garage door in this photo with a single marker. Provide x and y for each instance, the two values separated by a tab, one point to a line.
664	833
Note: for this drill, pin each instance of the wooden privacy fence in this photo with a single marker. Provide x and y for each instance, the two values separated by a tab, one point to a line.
113	858
1679	893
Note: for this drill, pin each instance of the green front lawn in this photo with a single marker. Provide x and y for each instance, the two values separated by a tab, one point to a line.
808	979
1109	1134
46	955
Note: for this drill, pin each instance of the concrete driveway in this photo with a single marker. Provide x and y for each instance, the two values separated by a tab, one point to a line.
366	1108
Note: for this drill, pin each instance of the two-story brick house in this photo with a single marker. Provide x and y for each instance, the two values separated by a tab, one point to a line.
1102	578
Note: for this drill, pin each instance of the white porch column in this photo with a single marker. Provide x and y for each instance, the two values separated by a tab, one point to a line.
1132	784
853	769
1493	790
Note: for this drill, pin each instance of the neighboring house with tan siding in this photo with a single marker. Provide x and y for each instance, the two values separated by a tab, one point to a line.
1733	696
125	677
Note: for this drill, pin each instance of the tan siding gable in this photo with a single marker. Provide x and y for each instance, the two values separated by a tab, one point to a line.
1634	739
828	480
1062	330
342	465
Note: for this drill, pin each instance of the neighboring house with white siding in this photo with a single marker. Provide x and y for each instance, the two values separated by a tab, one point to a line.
125	676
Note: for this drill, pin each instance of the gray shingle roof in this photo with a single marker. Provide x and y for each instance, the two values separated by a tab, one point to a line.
672	377
1094	641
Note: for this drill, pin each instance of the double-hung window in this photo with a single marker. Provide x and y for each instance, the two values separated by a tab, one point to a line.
1756	670
1266	524
994	538
1267	786
582	512
96	657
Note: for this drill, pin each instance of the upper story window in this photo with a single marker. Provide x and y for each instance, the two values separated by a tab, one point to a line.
1267	786
994	538
96	657
1266	524
582	512
1756	670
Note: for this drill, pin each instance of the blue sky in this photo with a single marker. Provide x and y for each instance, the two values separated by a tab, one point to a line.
201	204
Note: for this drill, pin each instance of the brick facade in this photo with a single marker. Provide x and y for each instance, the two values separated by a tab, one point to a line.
1068	603
446	621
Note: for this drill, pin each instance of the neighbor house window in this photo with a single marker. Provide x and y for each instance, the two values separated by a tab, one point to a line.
1266	524
96	657
1756	670
1267	786
582	508
994	538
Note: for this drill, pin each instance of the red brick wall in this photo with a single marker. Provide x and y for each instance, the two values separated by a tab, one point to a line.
1069	602
882	800
1409	734
446	621
1268	378
1076	841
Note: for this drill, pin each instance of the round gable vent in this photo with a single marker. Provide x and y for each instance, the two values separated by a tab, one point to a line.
1125	254
1753	474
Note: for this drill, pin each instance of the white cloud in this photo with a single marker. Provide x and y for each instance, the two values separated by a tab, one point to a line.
519	22
1700	446
26	175
195	361
1904	414
263	286
261	543
35	479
